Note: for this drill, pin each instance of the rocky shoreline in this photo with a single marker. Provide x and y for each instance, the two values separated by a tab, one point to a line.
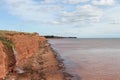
32	58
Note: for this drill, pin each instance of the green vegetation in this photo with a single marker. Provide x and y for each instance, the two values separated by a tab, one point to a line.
4	40
3	32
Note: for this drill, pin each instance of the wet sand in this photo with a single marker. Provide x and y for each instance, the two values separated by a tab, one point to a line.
90	59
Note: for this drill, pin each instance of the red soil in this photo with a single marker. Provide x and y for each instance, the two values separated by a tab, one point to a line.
35	59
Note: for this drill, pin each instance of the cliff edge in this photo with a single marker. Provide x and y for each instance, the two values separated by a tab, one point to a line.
27	56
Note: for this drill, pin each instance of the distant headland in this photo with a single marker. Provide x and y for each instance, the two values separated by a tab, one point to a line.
51	36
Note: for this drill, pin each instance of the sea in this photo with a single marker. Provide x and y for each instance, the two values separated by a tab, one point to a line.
90	58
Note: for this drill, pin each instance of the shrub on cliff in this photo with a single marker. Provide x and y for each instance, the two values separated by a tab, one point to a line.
6	42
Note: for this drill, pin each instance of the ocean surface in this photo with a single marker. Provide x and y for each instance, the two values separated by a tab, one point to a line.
90	59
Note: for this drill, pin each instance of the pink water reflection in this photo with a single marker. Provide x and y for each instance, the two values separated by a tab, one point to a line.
90	59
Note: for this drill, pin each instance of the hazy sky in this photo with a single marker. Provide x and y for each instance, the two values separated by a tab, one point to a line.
81	18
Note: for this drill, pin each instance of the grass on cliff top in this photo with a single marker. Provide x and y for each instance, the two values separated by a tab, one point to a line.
4	40
3	32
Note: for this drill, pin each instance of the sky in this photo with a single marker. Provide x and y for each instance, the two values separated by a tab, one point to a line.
77	18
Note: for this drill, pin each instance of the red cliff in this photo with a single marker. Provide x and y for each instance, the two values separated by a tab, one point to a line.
3	62
30	58
26	45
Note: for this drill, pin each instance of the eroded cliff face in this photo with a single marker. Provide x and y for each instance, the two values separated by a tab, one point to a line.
7	60
25	45
30	58
3	61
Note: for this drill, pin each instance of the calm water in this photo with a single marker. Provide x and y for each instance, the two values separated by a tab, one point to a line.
90	59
